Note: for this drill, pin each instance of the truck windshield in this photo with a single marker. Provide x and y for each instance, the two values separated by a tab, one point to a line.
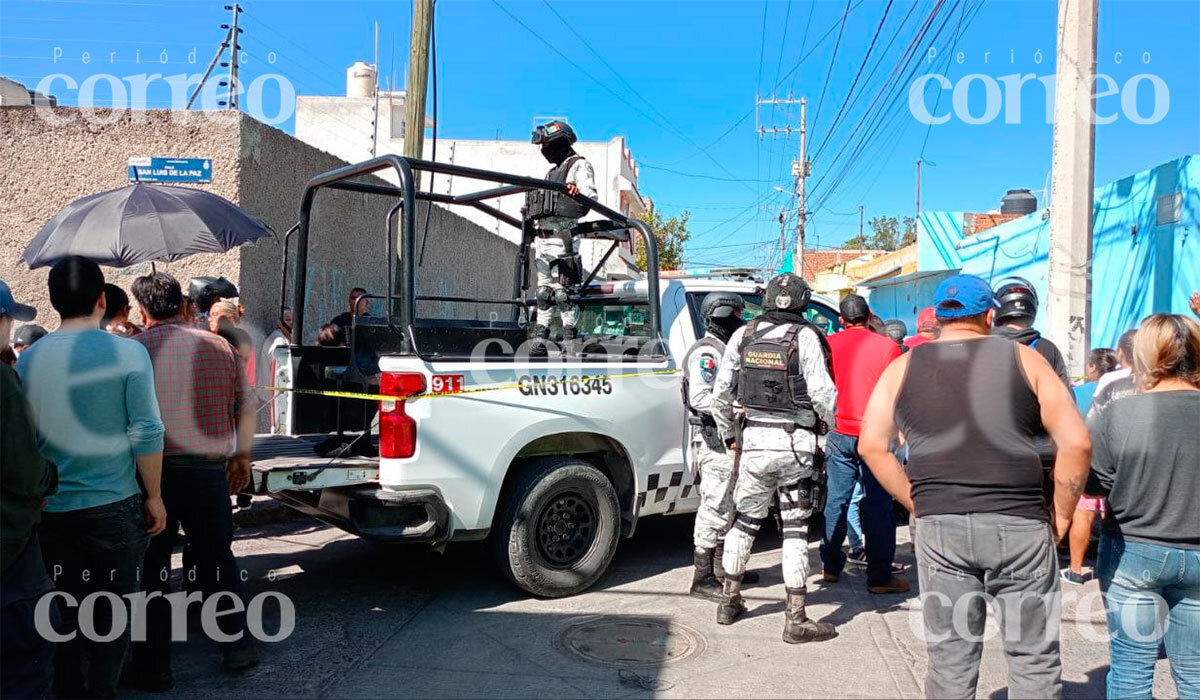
824	318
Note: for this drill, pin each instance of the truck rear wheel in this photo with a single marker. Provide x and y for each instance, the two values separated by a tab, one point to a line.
557	528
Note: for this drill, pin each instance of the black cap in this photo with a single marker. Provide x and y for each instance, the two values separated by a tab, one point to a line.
28	334
854	308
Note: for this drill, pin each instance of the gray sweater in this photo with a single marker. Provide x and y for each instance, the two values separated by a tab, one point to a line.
1146	459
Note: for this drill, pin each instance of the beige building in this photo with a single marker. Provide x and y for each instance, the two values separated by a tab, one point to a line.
255	166
343	126
846	275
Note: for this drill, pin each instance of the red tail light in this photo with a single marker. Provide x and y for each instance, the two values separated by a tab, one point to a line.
397	430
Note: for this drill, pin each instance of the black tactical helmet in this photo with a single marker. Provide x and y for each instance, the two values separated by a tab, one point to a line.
551	131
722	305
896	329
787	292
203	291
1016	299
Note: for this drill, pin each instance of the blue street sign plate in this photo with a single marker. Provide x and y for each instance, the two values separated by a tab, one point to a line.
170	169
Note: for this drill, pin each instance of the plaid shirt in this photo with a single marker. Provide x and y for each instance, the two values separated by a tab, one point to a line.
200	386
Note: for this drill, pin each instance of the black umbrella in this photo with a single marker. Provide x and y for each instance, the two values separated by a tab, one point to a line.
143	223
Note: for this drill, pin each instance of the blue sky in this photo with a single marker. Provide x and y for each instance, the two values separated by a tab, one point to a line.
679	80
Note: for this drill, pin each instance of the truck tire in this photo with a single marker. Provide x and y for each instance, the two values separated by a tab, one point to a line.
557	528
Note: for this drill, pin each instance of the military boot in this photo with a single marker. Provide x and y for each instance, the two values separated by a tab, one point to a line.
570	343
732	606
797	627
719	567
539	341
704	584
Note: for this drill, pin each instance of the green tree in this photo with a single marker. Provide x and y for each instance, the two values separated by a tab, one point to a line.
910	232
671	235
884	234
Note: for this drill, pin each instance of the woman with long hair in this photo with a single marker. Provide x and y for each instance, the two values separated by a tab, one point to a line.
1146	460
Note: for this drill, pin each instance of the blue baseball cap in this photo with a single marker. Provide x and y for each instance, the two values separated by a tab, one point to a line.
963	295
9	306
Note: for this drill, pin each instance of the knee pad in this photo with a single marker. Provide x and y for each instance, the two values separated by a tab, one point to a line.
747	524
545	297
562	298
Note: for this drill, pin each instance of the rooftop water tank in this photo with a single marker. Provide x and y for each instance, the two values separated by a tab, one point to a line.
360	80
1018	202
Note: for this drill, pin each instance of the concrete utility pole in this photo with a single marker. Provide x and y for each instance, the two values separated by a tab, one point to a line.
800	170
860	222
233	57
1071	189
918	189
418	79
375	115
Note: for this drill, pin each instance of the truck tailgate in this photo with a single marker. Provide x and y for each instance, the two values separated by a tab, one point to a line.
284	462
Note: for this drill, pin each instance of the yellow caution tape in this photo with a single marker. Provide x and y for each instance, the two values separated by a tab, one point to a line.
461	392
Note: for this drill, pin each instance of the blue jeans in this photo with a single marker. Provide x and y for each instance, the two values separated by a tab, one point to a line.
1152	594
854	517
845	469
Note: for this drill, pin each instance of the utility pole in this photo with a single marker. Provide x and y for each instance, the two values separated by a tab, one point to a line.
1071	195
232	100
800	170
375	117
860	222
782	234
918	189
418	79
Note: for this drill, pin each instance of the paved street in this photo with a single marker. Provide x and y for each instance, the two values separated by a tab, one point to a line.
376	620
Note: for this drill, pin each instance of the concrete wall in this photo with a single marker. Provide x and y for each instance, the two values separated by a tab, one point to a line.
256	166
46	166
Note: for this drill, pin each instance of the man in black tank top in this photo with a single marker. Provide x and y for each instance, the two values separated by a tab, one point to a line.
970	406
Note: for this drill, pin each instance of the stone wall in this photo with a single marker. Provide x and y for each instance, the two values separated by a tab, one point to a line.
256	166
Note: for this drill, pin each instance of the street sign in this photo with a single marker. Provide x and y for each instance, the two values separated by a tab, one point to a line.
170	170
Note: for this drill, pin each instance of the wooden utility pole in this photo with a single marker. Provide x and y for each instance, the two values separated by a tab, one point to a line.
800	169
1071	193
418	79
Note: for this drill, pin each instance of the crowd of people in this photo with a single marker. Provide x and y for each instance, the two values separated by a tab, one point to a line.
971	425
120	431
117	433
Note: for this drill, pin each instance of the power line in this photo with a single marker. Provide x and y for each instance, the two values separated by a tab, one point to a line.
665	124
850	93
700	176
832	60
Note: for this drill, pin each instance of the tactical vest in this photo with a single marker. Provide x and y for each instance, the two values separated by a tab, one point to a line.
771	379
541	204
703	422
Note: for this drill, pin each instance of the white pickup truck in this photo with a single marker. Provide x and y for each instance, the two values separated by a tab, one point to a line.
551	458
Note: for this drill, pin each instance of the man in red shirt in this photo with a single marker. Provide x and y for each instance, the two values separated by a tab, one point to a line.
927	329
859	358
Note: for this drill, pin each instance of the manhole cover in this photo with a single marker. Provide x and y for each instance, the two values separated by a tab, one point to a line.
630	641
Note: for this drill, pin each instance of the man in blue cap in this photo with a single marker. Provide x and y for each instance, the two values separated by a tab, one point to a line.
971	405
26	478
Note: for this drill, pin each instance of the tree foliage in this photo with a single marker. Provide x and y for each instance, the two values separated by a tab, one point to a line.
671	235
885	234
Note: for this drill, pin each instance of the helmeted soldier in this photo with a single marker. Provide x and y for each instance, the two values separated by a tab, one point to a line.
778	371
554	217
710	458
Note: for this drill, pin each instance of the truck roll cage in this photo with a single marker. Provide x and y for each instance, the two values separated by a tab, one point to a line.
402	298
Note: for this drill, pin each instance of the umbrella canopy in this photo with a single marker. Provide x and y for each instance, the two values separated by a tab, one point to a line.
143	223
